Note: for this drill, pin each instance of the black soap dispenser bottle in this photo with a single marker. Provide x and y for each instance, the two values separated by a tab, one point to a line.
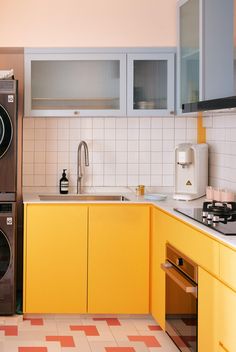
64	183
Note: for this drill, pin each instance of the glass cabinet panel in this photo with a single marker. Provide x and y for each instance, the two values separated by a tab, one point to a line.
82	84
189	51
150	84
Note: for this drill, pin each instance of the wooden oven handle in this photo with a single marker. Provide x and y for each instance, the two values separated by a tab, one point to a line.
179	279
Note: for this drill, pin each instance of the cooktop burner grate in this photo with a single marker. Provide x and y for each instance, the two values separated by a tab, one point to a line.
216	215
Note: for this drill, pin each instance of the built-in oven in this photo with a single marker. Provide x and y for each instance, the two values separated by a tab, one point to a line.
181	299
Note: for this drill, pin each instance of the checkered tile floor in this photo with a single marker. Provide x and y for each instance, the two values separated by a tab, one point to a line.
83	333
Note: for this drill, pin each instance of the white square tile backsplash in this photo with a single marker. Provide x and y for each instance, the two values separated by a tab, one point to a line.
221	138
122	151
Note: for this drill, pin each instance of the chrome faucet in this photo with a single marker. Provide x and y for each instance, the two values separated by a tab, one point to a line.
79	163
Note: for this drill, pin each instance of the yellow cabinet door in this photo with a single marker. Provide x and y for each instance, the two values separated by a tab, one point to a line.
227	318
55	258
118	265
208	312
227	266
157	296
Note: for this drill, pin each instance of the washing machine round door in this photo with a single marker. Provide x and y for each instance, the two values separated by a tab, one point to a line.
5	254
6	131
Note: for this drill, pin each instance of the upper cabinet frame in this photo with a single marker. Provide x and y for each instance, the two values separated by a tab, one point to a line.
99	82
150	84
69	84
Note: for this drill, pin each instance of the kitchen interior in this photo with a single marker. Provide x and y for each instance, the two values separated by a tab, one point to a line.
118	177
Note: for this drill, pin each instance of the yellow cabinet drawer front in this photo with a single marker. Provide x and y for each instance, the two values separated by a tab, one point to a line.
200	248
118	266
228	266
55	258
227	319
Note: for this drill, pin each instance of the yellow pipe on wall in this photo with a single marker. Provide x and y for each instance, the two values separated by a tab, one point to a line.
201	131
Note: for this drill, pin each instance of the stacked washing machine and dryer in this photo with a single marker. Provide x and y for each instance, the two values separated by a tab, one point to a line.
8	193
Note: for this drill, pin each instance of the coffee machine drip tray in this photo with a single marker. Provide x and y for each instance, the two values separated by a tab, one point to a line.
216	215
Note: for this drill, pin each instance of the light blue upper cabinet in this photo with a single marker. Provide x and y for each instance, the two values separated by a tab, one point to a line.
150	84
71	84
189	51
99	82
205	62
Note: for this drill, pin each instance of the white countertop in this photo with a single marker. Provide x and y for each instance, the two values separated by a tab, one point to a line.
167	205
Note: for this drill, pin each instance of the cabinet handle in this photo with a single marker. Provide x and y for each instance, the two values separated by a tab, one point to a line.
76	112
179	279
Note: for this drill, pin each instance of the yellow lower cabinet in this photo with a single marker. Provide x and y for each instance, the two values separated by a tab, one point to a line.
118	265
55	258
157	296
227	318
208	312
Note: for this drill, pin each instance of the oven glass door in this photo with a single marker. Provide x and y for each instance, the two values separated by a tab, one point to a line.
181	312
6	131
5	254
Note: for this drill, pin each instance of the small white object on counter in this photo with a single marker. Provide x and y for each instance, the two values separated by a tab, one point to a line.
156	196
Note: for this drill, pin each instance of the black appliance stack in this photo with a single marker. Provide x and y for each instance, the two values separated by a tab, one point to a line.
8	194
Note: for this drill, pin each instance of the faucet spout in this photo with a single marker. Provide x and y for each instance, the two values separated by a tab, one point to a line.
79	163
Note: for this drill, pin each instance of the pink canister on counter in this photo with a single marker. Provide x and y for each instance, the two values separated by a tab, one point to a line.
227	196
217	194
209	193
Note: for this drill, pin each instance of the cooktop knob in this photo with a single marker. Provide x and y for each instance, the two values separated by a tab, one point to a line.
216	218
210	216
209	222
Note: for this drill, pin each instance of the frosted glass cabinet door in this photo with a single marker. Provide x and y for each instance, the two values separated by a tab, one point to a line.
150	84
189	51
75	84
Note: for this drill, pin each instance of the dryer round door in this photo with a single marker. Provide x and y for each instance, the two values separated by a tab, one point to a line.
6	131
5	254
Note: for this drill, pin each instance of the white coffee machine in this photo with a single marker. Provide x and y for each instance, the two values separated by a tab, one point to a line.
191	171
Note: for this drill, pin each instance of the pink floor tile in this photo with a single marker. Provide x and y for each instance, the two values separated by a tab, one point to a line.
154	327
32	349
110	321
99	346
150	341
9	330
142	325
65	341
89	330
138	346
35	321
119	349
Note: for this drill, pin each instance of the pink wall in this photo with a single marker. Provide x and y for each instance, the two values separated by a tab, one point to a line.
86	23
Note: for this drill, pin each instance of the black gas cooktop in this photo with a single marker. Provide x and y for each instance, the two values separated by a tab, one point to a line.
216	215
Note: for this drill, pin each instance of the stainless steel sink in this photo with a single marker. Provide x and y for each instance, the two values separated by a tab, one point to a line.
83	197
